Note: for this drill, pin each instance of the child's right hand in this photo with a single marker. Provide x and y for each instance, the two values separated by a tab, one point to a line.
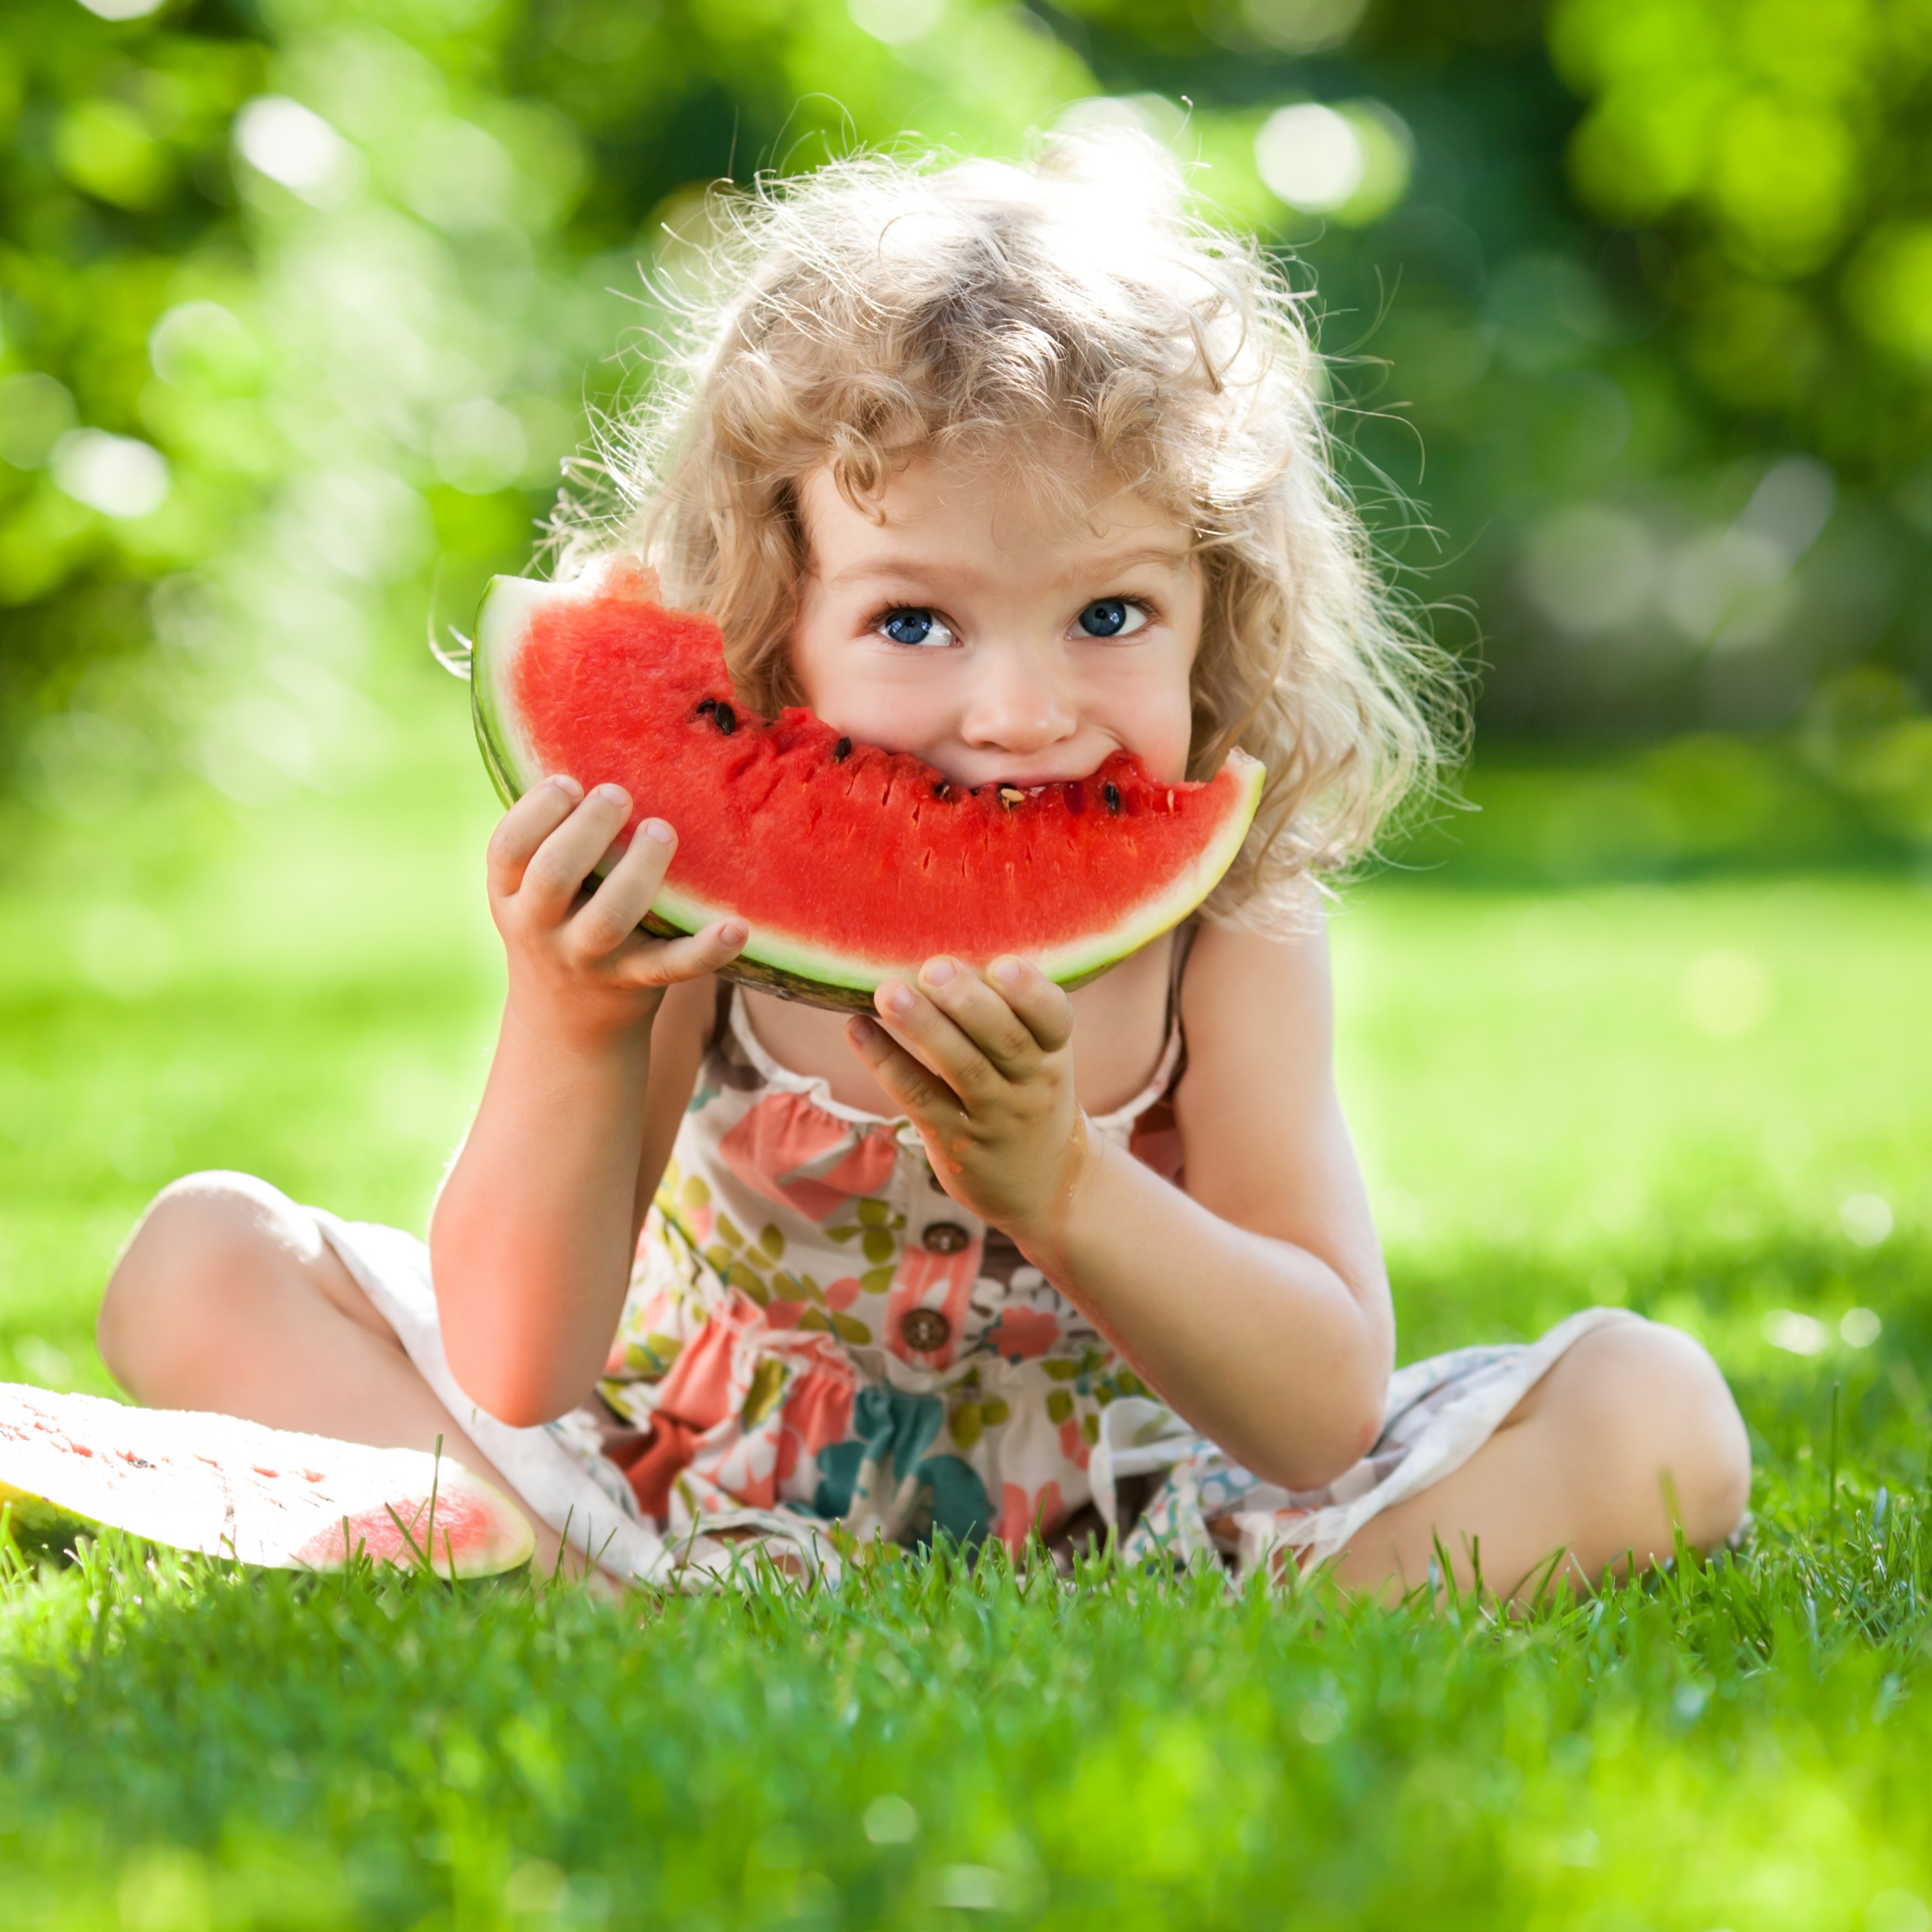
579	965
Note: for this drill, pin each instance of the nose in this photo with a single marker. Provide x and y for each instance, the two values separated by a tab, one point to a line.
1019	704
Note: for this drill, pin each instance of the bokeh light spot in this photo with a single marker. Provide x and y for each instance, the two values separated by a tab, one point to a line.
35	412
1303	26
1859	1328
295	146
1590	569
50	1367
1866	1219
201	342
1726	994
1310	156
897	22
119	476
891	1821
1320	1720
1796	1334
1898	1912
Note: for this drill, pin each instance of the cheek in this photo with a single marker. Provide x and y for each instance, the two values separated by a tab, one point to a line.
1153	717
1164	747
824	668
812	661
877	700
1165	724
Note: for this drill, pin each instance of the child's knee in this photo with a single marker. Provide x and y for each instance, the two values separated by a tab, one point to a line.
1655	1419
194	1248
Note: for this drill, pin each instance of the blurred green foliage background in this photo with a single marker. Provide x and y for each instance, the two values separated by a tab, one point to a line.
304	302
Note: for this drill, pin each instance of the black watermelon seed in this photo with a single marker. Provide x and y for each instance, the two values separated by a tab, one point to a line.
842	751
1111	793
707	704
727	720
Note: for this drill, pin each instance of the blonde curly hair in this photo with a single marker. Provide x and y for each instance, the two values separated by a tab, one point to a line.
878	308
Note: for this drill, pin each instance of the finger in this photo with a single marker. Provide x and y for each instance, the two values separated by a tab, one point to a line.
525	827
616	908
982	1014
1042	1007
925	1098
559	866
932	1040
663	962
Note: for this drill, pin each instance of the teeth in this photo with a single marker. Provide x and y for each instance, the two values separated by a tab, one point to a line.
1010	796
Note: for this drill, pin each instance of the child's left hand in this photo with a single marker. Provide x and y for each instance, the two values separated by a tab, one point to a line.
985	1069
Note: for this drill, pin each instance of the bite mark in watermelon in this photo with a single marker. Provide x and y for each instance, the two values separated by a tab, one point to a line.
848	864
70	1465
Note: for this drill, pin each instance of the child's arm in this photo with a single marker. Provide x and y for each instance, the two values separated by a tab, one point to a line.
1255	1302
532	1238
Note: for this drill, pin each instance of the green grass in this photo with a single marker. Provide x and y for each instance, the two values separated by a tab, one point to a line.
1663	1094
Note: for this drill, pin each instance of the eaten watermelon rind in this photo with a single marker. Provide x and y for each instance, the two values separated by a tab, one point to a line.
786	964
73	1465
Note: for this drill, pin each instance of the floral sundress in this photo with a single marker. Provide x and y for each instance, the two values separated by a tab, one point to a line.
820	1347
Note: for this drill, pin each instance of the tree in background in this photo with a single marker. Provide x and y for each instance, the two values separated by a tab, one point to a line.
301	306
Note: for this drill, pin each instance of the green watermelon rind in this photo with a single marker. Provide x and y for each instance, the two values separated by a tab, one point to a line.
794	968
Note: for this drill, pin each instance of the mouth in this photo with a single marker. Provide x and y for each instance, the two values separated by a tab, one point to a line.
971	773
1030	781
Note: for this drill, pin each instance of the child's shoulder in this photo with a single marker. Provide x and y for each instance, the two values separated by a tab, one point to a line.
1248	987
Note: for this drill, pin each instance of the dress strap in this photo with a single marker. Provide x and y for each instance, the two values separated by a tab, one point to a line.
1184	935
1173	1061
774	1072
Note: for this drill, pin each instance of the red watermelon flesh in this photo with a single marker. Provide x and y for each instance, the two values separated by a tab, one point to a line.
849	864
71	1464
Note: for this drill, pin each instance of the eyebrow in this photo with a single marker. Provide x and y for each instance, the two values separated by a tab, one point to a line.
1172	555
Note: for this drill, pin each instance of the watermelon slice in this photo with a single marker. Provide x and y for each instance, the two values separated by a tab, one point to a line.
849	864
73	1463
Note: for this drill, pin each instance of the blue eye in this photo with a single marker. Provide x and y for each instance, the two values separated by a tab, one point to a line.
1111	618
914	627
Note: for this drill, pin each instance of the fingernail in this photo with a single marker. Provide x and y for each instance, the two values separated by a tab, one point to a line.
862	1031
613	795
567	785
938	972
898	1000
732	933
656	829
1007	971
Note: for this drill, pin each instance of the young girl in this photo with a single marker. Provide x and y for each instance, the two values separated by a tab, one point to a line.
1010	469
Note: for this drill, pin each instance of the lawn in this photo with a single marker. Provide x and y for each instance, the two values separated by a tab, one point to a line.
1705	1098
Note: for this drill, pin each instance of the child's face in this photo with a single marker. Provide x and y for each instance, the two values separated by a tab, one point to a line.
975	628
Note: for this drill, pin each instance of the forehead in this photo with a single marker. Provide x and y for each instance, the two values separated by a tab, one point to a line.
1026	506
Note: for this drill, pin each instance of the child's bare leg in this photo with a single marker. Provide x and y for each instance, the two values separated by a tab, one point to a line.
228	1299
1631	1432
